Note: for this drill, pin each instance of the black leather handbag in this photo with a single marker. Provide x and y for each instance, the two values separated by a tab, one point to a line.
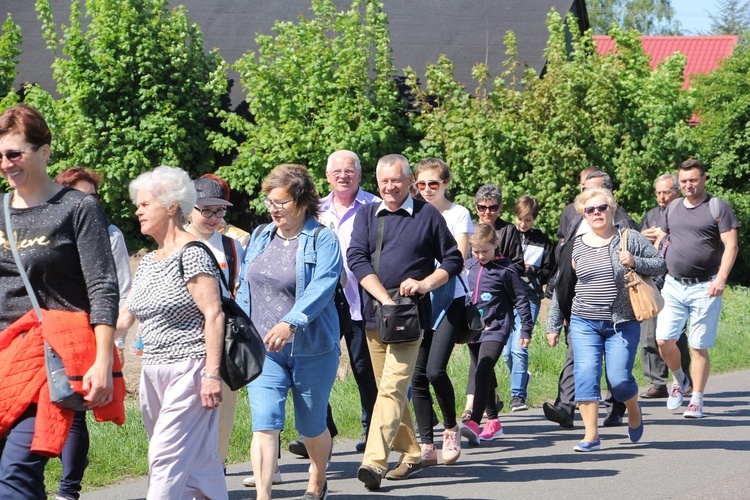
243	354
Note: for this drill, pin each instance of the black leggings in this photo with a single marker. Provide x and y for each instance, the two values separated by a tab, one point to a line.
431	368
485	356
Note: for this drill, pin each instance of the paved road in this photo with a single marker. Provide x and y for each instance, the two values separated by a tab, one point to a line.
678	458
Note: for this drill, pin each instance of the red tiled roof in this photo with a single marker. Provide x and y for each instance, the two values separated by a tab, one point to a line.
704	53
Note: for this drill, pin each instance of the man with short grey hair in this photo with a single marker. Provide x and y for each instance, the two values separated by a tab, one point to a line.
413	235
654	369
337	211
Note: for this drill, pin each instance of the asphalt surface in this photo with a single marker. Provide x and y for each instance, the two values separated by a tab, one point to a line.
677	458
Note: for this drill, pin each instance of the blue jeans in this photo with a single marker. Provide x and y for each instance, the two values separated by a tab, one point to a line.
21	470
310	379
74	458
517	357
619	343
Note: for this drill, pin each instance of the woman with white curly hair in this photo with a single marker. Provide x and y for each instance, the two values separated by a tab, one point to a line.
182	333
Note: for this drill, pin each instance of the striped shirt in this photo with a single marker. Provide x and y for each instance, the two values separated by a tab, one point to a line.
595	289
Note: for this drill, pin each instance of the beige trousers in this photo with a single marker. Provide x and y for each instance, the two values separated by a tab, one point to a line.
391	423
226	420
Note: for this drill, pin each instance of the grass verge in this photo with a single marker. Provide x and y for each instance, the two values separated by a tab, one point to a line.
121	452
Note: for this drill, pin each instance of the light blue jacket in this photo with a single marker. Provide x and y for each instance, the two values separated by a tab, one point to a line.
319	267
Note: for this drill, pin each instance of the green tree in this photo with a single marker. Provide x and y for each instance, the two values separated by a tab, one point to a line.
138	90
477	135
315	86
723	133
649	17
10	49
733	18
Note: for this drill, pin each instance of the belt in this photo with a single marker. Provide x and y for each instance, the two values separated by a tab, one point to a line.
697	279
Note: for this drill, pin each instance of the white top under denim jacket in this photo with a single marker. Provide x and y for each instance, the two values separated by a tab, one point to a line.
318	270
648	262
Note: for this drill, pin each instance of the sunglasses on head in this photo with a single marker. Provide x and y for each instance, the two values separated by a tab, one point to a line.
491	208
597	208
432	185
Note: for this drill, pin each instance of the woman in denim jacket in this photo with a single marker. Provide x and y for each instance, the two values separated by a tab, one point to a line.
287	285
591	294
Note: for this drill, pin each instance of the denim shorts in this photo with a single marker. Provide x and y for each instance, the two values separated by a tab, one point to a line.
310	379
618	343
683	301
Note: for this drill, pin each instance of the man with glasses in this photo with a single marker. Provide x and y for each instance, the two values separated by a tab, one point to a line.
654	369
337	211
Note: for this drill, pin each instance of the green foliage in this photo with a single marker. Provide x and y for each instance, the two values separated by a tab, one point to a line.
733	18
318	85
724	140
610	111
476	135
137	91
650	17
10	49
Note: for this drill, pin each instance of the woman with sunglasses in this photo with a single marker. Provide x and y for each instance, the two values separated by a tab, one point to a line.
288	280
448	312
591	295
61	235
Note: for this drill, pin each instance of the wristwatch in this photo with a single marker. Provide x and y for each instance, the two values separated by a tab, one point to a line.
120	344
293	328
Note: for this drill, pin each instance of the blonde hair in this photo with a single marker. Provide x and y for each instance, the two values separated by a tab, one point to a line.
484	234
590	193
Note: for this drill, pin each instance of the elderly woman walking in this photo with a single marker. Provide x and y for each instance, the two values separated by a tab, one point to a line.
182	332
287	284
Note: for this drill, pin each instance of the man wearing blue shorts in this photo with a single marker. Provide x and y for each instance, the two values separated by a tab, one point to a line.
700	253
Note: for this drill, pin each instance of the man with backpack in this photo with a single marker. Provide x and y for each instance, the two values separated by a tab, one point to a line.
700	253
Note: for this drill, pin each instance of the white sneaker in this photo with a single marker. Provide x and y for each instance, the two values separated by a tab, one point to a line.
694	410
250	481
676	393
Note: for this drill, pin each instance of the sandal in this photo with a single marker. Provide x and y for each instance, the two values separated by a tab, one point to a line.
465	416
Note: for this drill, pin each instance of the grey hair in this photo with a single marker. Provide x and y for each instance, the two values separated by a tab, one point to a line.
346	154
606	183
668	177
487	191
168	185
390	160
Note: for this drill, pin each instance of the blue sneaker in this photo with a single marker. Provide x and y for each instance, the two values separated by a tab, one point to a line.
588	446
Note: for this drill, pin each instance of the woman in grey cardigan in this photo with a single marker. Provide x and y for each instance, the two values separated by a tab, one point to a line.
591	294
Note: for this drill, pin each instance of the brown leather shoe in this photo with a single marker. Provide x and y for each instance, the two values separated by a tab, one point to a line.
655	393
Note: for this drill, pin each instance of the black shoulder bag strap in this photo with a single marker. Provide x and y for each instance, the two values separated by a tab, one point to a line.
211	255
230	253
379	244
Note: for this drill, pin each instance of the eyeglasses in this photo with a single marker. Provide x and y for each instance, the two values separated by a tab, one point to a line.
434	185
278	205
343	173
485	208
17	155
666	192
211	213
598	208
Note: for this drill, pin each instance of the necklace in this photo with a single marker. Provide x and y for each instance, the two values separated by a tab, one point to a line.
287	240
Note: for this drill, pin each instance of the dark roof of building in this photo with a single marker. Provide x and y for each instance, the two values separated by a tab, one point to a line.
704	53
466	31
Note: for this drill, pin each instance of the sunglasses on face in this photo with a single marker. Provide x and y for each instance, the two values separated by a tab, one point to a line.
434	185
598	208
206	213
17	155
491	208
